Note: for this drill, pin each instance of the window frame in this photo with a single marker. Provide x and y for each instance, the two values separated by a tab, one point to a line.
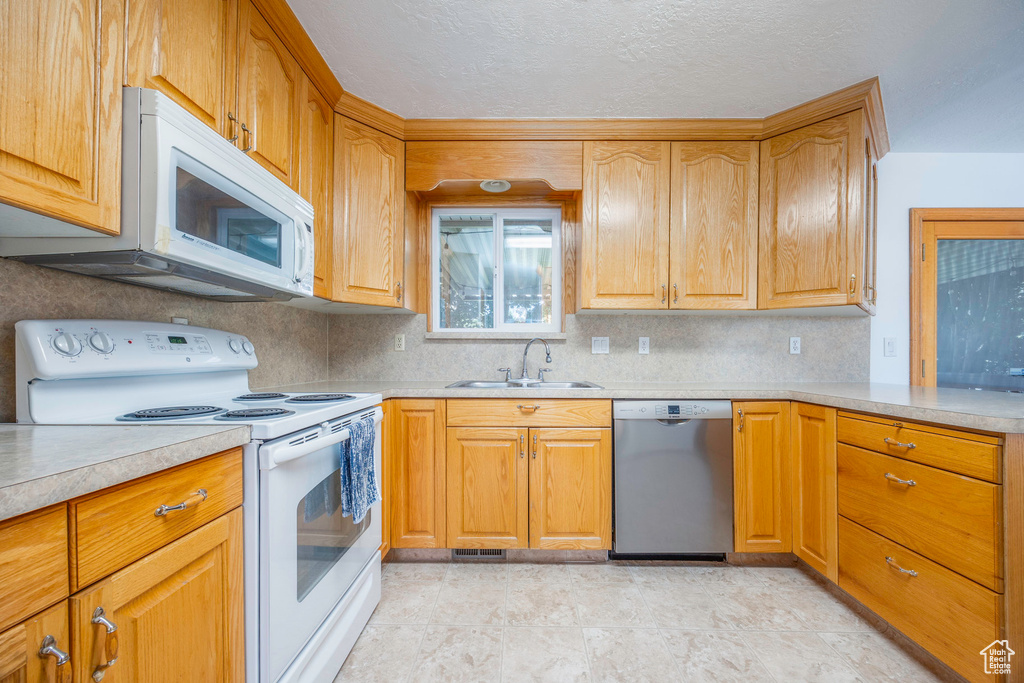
500	214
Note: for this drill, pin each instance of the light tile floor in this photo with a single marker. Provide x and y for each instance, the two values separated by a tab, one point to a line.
455	622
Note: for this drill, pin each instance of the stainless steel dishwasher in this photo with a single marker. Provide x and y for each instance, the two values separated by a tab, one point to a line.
673	478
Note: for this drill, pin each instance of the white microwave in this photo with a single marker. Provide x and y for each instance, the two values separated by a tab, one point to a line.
197	216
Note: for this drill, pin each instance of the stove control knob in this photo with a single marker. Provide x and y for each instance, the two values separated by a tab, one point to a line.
234	345
248	348
66	345
101	341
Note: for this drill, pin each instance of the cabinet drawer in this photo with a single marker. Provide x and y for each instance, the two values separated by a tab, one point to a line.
529	412
946	517
115	527
950	616
33	563
974	455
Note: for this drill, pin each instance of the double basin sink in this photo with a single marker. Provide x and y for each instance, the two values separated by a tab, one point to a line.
521	384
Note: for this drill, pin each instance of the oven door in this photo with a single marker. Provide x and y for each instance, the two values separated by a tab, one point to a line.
309	554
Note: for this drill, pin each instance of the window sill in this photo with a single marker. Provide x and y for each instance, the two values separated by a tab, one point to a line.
474	335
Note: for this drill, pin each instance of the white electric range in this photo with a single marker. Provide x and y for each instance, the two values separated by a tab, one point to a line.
312	579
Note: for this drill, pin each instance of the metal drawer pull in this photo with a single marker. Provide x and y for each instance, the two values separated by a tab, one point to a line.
530	408
739	427
899	444
664	293
534	446
522	445
193	500
49	649
894	478
889	561
106	646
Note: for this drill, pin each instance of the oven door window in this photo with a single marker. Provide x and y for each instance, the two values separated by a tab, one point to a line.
324	536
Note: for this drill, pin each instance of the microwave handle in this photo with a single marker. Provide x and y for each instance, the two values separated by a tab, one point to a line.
305	243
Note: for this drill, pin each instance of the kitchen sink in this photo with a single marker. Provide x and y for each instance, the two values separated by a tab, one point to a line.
531	384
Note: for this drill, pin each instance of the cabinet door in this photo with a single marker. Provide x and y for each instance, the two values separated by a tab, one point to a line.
713	256
762	477
571	489
815	513
20	658
488	488
60	121
269	81
187	51
625	225
316	160
418	473
369	204
178	612
812	215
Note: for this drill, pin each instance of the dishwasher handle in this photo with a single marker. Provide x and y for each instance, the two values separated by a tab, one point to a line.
671	423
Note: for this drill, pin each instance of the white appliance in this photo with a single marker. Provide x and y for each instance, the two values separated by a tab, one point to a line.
310	586
197	216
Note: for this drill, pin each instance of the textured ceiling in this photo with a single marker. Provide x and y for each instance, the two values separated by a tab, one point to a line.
952	71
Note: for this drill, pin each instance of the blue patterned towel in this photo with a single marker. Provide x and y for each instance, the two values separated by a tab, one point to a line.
358	481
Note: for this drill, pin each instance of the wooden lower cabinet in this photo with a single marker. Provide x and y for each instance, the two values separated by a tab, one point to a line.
20	658
179	613
416	473
813	443
488	487
571	489
762	480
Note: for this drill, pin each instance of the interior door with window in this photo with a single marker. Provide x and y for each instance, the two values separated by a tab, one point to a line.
967	299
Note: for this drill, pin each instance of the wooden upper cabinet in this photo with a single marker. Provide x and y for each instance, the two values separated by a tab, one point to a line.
369	212
488	487
187	51
20	658
417	480
713	256
625	230
762	485
812	215
269	85
316	162
178	612
815	513
571	488
60	121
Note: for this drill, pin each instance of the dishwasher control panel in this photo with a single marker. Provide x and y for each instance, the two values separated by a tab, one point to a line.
680	409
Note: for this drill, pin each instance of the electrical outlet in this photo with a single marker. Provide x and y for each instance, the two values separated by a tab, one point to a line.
599	345
645	346
794	345
399	342
889	347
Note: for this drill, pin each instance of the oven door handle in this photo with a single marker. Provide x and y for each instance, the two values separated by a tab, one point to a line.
299	445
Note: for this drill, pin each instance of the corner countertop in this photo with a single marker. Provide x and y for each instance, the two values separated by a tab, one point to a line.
45	464
981	410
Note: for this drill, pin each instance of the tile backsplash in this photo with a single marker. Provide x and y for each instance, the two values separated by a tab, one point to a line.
291	342
697	348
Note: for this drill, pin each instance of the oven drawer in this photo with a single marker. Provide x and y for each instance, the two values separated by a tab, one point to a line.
973	455
950	616
33	563
946	517
115	527
529	412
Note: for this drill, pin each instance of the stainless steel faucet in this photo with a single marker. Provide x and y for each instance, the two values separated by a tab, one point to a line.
547	350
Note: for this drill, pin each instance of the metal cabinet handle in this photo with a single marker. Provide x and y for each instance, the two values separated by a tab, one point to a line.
675	296
522	445
106	646
889	561
532	409
252	138
739	427
899	444
398	292
49	648
853	284
534	446
234	121
193	500
664	293
894	478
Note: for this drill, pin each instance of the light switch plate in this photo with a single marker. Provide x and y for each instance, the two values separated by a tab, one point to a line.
645	346
889	347
794	345
599	345
399	342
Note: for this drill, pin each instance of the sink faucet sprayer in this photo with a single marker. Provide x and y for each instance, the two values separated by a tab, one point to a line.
547	350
